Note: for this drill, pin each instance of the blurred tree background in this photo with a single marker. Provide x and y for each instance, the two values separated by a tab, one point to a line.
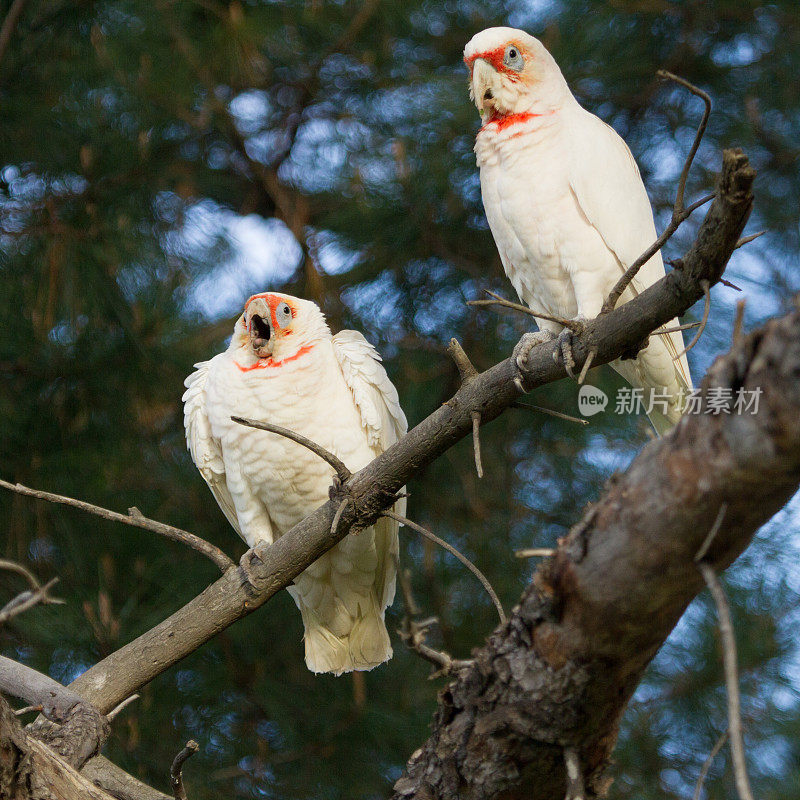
161	161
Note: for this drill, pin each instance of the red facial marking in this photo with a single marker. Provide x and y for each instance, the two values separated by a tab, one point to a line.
503	121
269	363
495	58
273	301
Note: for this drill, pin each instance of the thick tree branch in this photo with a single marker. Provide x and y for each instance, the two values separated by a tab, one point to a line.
561	672
265	570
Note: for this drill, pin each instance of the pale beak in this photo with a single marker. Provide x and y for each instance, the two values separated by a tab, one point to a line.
259	328
483	84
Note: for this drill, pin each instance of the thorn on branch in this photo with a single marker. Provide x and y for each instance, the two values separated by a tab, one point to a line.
679	212
572	764
728	659
706	309
134	518
338	465
176	770
450	549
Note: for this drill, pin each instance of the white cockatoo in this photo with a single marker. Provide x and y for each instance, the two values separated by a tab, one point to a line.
566	204
283	366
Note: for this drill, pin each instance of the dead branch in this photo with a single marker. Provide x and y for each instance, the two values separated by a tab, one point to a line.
679	213
452	550
718	745
468	372
338	465
28	599
728	658
414	632
176	770
133	518
499	300
549	411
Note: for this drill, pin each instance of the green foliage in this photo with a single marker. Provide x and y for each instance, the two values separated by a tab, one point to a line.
137	138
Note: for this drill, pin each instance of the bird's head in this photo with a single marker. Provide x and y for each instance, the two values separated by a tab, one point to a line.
277	326
511	72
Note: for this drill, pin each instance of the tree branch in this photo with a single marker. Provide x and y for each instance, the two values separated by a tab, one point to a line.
134	518
265	570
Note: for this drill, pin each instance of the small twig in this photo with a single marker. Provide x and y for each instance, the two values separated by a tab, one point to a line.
747	239
707	764
176	770
13	566
706	309
341	470
414	633
575	787
476	441
27	599
28	710
549	411
729	284
466	369
738	321
134	518
338	515
450	549
126	702
677	329
535	552
728	660
679	213
499	300
587	365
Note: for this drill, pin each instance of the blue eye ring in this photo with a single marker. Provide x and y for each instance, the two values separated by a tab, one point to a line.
512	58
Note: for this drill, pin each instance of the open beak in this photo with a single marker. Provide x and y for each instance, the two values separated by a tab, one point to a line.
483	85
260	330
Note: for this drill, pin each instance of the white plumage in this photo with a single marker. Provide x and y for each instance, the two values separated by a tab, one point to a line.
565	201
284	366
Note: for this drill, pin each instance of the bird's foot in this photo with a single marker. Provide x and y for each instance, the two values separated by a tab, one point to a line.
523	350
563	352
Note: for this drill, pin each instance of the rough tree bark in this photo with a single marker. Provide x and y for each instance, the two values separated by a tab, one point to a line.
562	670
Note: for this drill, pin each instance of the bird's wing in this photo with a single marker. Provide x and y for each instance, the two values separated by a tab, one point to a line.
204	447
608	189
384	421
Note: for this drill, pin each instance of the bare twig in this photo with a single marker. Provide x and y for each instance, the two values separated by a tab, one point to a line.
707	764
728	659
535	552
28	599
499	300
466	368
703	321
13	566
575	787
414	632
114	711
476	442
747	239
738	321
338	515
587	365
450	549
338	465
28	710
176	770
549	411
134	518
679	213
676	329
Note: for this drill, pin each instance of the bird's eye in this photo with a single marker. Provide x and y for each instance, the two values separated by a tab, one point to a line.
283	315
513	58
